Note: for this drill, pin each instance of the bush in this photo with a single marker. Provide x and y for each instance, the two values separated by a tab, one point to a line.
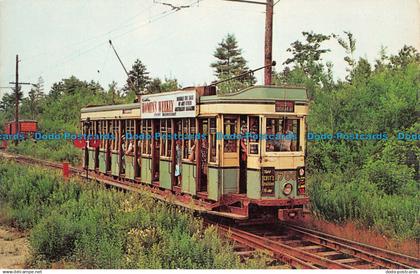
87	226
361	202
54	237
371	182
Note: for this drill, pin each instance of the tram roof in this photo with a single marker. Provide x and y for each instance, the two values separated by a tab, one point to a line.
111	107
260	94
254	94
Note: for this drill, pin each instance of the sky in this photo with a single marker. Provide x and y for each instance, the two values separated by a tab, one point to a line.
59	38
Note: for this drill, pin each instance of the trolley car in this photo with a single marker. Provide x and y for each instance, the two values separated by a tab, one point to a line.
213	153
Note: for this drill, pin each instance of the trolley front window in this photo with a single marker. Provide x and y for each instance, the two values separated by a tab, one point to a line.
282	134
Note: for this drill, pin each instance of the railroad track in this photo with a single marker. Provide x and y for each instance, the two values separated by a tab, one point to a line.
297	246
363	252
34	161
305	248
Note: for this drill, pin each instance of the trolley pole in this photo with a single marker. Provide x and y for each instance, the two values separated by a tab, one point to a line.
130	83
268	44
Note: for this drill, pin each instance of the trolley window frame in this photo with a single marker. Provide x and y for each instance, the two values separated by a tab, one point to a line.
299	149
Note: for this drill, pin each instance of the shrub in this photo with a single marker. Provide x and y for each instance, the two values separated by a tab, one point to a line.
359	201
88	226
54	237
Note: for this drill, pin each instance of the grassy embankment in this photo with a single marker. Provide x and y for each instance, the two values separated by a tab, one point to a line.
86	226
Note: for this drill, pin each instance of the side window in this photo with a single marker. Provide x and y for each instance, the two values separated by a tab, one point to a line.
165	141
205	143
295	129
99	131
230	125
143	129
189	129
130	127
117	135
254	131
102	132
185	142
212	140
111	132
106	131
193	131
129	131
162	139
146	127
178	142
169	139
138	130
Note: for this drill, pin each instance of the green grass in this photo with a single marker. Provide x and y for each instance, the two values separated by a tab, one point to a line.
359	201
87	226
54	150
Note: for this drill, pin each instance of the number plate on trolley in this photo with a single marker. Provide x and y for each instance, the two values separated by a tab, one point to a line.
268	177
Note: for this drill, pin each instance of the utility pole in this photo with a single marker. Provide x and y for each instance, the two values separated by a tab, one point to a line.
17	101
17	129
268	45
268	48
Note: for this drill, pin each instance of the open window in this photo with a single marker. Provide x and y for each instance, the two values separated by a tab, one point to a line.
230	145
165	141
212	140
189	130
146	126
254	131
282	134
129	131
101	132
114	130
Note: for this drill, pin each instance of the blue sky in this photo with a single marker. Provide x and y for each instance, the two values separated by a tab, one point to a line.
59	38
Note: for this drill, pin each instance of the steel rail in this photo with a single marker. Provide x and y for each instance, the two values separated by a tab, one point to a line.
293	256
372	254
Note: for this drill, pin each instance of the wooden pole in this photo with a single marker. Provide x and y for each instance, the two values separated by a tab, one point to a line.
268	48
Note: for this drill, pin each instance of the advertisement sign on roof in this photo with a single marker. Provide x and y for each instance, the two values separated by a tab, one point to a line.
174	105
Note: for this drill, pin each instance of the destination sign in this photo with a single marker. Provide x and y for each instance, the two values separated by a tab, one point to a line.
285	106
174	105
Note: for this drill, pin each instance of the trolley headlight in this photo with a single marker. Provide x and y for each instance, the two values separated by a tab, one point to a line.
287	189
301	172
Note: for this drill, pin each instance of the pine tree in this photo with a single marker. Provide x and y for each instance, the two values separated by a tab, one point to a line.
230	61
138	78
7	105
34	100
